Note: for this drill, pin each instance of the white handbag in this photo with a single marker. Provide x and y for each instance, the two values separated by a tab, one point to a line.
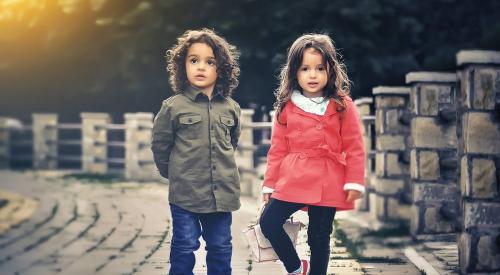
262	249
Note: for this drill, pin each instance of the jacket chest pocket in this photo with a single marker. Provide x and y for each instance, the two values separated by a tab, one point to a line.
190	126
226	124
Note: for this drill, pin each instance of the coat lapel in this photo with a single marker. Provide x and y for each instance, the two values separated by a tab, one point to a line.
297	110
331	110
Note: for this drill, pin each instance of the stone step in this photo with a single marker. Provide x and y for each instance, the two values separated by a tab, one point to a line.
63	218
42	214
86	217
87	241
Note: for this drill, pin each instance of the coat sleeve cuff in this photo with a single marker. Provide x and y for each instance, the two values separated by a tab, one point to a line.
354	186
267	190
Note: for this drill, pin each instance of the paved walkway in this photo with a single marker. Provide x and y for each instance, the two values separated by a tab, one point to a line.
71	226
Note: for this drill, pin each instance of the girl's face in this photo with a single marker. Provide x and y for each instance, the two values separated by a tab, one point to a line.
201	67
312	74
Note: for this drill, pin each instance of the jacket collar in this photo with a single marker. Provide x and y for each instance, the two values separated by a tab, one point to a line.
316	105
193	93
330	110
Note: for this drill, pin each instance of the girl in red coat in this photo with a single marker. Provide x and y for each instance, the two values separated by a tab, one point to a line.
316	159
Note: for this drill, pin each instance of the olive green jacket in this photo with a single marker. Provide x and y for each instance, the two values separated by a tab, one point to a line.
193	145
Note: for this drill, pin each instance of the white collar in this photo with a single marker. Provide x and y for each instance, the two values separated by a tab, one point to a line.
307	104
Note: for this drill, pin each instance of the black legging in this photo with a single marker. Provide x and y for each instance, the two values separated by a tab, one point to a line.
318	234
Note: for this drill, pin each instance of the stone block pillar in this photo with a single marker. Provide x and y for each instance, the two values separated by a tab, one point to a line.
45	141
244	153
433	162
392	198
478	130
4	144
366	120
95	142
139	164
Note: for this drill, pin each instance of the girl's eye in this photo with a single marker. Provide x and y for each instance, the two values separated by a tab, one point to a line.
211	62
193	61
321	68
304	69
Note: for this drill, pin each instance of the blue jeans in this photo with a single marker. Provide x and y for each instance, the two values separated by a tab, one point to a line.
187	229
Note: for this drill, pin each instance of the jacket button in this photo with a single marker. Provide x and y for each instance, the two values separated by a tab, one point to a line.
215	187
190	120
319	126
213	167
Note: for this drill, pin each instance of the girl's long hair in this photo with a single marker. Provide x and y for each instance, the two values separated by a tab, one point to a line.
338	85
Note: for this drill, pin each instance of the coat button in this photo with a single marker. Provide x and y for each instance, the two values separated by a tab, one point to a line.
319	126
190	120
215	187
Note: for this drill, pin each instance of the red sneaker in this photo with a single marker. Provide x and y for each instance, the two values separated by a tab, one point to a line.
305	267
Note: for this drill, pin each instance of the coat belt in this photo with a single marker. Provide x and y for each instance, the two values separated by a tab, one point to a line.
321	151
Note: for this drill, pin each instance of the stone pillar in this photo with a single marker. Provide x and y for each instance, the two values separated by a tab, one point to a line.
94	142
478	131
392	198
4	144
364	108
244	155
45	141
139	164
433	162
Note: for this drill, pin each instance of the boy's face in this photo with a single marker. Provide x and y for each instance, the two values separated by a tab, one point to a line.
201	67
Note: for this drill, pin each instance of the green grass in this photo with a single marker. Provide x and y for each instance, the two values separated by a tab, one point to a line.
356	247
400	230
95	178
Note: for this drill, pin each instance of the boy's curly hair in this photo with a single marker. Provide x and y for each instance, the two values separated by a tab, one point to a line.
226	57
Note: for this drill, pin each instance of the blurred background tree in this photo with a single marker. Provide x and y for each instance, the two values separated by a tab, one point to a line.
69	56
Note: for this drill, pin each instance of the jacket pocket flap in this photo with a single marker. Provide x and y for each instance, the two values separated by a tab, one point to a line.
189	119
226	120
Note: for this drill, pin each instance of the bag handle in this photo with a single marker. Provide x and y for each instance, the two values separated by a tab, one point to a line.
261	211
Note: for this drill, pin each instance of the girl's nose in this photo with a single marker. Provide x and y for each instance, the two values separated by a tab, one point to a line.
201	66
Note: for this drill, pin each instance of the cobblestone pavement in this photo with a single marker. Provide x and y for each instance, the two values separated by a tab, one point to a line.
78	227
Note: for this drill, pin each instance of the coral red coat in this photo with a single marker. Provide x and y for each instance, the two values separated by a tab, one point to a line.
313	156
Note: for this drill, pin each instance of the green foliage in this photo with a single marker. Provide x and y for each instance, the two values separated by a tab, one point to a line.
108	55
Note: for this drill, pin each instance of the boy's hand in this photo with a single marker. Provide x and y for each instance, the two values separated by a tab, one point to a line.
265	197
353	195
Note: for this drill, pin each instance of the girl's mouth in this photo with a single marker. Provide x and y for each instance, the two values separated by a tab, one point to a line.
200	77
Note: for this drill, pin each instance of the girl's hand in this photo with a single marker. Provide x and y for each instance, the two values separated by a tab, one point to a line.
353	195
265	197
